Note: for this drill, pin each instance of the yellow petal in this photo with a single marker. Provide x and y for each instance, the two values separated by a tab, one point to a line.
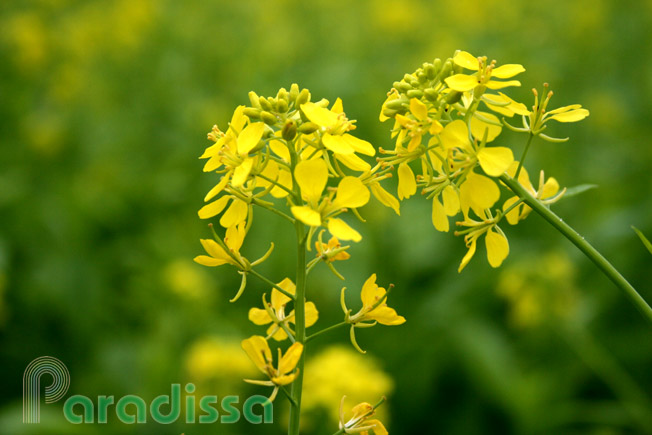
249	137
280	149
277	332
494	84
439	218
385	198
466	60
236	213
550	188
234	236
451	200
359	145
571	116
342	230
478	126
259	317
371	293
479	193
218	187
353	162
351	193
455	135
497	248
312	176
205	260
307	215
418	109
337	144
516	107
238	119
214	249
468	256
385	316
311	314
285	379
407	185
320	116
378	427
564	109
214	208
513	216
508	70
290	359
241	172
462	82
284	179
279	299
213	163
258	351
338	106
495	160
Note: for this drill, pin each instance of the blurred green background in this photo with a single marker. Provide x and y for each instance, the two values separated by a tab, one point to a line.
104	109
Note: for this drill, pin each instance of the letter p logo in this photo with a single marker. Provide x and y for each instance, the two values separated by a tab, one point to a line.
32	385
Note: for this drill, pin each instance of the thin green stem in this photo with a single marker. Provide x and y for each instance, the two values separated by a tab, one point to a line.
603	264
527	147
273	210
270	282
300	327
330	328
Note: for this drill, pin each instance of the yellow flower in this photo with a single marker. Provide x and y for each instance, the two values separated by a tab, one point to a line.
312	177
332	251
275	312
417	125
360	422
548	193
333	126
478	193
374	309
232	149
450	207
236	213
495	241
259	352
217	256
483	76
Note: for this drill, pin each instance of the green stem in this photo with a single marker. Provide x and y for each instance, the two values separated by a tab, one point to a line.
527	147
603	264
330	328
270	282
300	327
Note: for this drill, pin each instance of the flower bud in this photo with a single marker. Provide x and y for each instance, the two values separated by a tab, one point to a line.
264	103
252	113
445	70
268	118
303	97
430	71
282	106
402	86
453	97
294	93
282	94
253	98
307	128
414	93
289	130
431	94
396	104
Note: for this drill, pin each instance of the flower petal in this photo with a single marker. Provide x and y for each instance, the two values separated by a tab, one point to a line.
236	213
418	109
311	314
455	135
319	115
571	116
312	176
451	199
407	185
371	293
205	260
439	218
462	82
307	215
497	248
467	257
337	144
385	198
215	250
359	145
214	208
290	359
258	351
495	160
508	70
385	316
494	84
249	137
342	230
478	192
241	172
351	193
278	298
218	188
259	316
479	125
466	60
353	162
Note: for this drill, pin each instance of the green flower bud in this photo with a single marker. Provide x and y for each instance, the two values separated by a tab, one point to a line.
268	118
252	113
446	70
294	93
431	94
282	105
453	97
430	71
273	102
415	93
390	113
422	77
307	128
282	94
402	87
303	97
264	103
253	98
397	104
289	130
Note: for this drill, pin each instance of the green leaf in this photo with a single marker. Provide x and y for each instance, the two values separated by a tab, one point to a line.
645	241
576	190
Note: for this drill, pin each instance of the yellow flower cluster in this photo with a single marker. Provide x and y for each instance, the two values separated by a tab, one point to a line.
446	118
